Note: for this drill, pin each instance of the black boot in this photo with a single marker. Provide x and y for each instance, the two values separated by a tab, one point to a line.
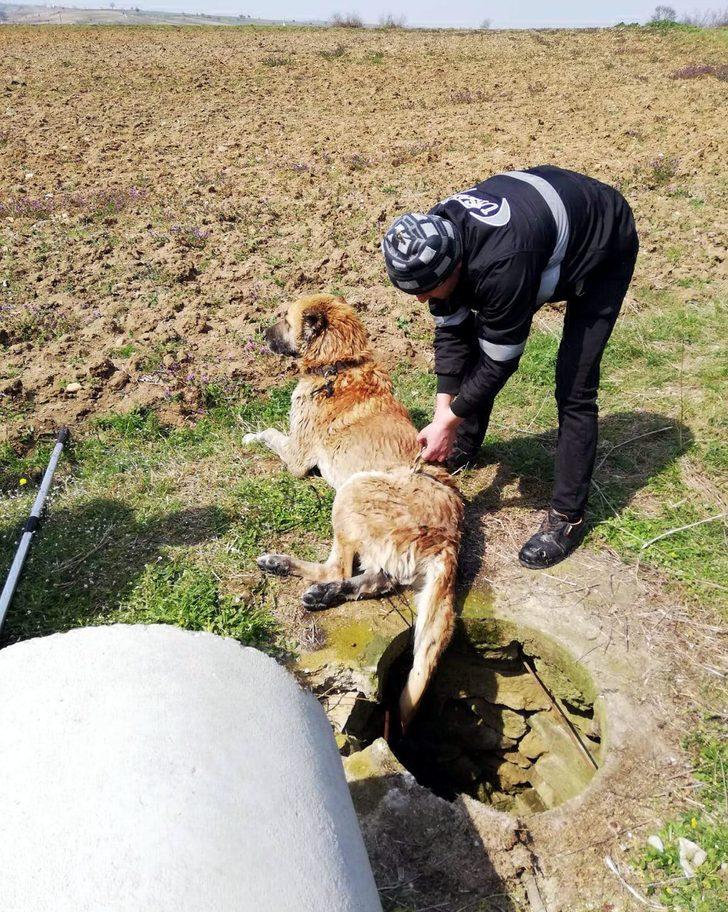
554	541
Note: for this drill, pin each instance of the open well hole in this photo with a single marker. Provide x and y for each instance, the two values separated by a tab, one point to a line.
508	719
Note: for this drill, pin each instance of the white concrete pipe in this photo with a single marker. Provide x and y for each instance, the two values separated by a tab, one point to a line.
149	769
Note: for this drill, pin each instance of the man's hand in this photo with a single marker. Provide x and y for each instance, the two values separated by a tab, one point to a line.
437	438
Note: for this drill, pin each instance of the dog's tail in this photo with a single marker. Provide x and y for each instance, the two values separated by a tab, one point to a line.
433	628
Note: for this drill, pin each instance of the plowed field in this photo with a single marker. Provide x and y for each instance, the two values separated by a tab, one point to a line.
163	191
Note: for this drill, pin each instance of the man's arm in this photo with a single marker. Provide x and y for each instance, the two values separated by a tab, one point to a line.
456	346
456	349
486	380
509	292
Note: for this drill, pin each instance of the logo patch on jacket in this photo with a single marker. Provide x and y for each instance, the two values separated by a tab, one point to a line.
491	211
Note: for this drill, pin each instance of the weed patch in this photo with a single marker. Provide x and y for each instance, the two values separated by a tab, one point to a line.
273	506
35	322
333	53
91	203
184	595
189	235
695	71
706	825
277	61
661	170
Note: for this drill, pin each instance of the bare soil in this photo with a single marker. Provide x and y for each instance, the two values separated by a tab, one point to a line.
164	191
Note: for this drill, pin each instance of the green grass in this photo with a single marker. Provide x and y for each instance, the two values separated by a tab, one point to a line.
277	505
416	391
15	466
185	595
707	826
134	493
670	25
149	523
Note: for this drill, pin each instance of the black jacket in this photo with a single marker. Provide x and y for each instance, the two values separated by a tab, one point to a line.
528	237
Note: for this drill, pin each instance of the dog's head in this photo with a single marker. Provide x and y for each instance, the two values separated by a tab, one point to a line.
321	330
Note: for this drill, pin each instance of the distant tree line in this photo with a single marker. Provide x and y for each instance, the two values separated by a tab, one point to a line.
347	20
355	21
667	15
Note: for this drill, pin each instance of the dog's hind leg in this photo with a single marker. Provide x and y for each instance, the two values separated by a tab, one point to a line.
371	584
339	565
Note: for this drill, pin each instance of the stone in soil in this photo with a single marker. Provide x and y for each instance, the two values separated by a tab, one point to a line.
531	745
516	690
510	723
528	802
563	771
508	775
458	722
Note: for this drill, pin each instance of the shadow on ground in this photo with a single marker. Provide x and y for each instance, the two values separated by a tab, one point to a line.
86	559
432	859
634	447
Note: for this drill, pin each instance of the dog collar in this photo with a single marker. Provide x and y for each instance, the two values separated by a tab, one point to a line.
330	372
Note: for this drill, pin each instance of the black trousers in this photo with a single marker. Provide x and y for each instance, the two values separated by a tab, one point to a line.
588	323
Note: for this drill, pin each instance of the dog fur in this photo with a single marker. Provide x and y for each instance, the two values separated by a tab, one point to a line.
400	524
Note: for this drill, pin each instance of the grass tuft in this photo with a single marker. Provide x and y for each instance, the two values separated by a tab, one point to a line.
273	506
188	596
706	826
333	53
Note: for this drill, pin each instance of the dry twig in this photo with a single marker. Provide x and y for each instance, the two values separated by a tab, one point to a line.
683	528
612	866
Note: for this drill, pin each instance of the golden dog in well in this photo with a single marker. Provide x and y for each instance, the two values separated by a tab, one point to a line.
401	525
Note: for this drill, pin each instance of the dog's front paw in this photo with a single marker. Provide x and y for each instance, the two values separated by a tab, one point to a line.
321	595
280	564
251	438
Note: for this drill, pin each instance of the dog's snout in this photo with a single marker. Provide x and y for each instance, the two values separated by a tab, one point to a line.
276	337
273	337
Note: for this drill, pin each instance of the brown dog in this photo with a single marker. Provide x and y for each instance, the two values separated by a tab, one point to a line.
402	525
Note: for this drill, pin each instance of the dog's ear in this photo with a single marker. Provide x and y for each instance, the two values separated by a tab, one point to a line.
314	322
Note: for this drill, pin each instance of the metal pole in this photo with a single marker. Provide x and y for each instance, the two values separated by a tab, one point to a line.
570	727
30	526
